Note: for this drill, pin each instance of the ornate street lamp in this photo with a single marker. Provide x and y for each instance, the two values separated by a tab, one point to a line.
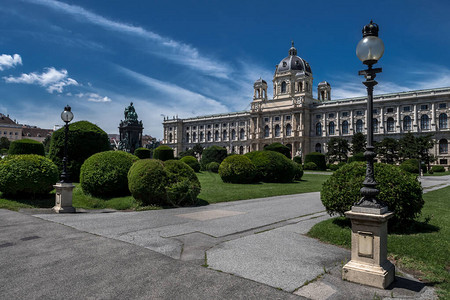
64	188
369	264
66	116
369	50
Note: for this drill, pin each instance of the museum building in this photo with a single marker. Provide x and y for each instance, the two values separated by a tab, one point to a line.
305	124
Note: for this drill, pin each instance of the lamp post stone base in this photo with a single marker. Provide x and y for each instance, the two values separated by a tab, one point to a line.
63	199
369	264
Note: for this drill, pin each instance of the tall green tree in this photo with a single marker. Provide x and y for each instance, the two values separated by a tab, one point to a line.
387	150
358	143
408	147
424	144
337	150
4	143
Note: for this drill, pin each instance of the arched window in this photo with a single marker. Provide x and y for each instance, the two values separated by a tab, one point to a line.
187	137
233	135
319	129
390	124
170	137
194	137
407	123
322	93
359	126
216	135
424	122
277	130
300	86
443	121
242	134
224	135
331	128
345	127
288	130
283	87
241	150
318	148
374	125
202	137
266	131
443	146
209	136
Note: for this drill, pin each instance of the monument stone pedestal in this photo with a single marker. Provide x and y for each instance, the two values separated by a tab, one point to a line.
63	201
369	264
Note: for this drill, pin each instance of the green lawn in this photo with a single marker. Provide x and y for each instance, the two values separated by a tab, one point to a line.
424	249
213	190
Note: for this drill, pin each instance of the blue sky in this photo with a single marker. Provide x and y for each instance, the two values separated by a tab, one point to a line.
191	58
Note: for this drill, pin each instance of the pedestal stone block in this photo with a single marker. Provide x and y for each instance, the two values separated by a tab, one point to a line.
369	264
63	198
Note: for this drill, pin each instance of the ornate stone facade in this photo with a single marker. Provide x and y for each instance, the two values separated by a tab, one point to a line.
294	118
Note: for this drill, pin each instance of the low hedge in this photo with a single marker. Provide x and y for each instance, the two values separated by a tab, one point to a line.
237	169
143	153
318	159
26	146
104	174
27	175
272	166
213	167
356	157
438	169
163	153
412	166
400	190
191	162
310	166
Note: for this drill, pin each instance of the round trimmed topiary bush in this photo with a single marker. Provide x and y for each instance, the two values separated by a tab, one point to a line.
153	182
183	185
27	174
278	147
26	146
272	166
400	190
84	140
298	159
438	169
104	174
191	162
163	153
310	166
213	154
147	181
237	169
318	159
143	153
298	172
213	167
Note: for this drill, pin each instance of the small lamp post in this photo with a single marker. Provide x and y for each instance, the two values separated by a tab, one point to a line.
369	264
64	188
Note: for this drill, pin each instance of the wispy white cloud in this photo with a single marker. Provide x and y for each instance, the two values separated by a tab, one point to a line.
9	61
53	80
93	97
176	51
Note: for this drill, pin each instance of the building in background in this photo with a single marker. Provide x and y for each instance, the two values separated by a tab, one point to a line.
305	124
12	130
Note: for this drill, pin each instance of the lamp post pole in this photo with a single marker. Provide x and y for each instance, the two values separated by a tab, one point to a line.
369	264
64	174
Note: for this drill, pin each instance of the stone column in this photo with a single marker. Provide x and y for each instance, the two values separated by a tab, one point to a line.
398	127
415	123
369	264
63	198
381	120
433	117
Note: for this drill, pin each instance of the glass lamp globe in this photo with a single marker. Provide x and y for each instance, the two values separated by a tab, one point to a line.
370	49
67	115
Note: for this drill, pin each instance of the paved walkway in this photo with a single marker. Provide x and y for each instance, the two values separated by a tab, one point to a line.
259	246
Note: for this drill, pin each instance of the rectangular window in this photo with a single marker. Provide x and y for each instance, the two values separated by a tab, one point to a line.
209	126
318	116
217	125
359	112
406	108
443	161
424	106
277	119
187	128
390	110
288	118
224	125
170	128
330	115
242	123
194	127
201	127
266	120
442	105
345	114
375	111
